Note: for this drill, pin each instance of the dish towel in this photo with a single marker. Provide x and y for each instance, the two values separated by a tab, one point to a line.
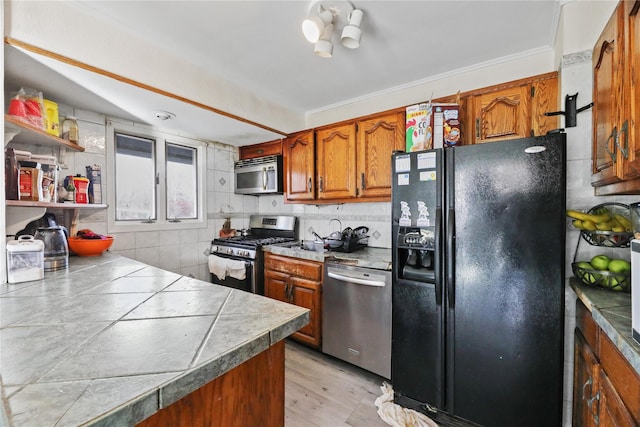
236	269
218	266
223	267
396	415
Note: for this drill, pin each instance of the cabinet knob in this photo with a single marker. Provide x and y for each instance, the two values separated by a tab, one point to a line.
321	189
309	185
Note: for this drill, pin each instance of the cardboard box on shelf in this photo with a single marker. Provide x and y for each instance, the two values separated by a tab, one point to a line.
432	125
418	127
94	174
445	123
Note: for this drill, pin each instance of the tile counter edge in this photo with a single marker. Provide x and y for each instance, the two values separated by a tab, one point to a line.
612	313
368	257
254	324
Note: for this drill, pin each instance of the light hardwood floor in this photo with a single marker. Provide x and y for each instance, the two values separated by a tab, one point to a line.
321	391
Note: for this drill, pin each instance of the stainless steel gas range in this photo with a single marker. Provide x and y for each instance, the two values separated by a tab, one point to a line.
238	262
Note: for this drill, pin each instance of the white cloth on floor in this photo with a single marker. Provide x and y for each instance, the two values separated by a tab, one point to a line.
223	267
396	415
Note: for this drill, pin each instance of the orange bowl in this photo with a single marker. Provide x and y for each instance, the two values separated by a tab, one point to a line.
89	247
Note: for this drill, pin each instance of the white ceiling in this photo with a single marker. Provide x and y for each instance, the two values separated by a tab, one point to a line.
259	45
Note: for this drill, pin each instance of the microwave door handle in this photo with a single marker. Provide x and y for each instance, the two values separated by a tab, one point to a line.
264	179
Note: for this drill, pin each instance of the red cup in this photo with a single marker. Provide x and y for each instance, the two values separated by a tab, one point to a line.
17	108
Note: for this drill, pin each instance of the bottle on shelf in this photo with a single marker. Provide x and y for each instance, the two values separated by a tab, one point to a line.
70	129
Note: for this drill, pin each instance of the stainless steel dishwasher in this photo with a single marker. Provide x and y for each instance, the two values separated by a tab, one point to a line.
356	318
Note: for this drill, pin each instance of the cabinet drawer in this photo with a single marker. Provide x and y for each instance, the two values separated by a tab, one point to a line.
296	267
586	324
623	377
271	148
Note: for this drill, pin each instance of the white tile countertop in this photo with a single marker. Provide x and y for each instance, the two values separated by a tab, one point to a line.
612	313
110	340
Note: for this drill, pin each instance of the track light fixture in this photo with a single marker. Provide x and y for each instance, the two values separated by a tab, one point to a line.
327	16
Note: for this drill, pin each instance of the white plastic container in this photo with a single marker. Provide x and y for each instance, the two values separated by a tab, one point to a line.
25	259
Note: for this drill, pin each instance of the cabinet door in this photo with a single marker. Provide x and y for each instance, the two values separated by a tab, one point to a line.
503	114
585	384
613	413
606	97
336	162
544	100
306	293
299	161
378	137
629	122
271	148
275	285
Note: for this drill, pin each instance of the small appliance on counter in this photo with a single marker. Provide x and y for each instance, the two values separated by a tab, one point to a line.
635	289
25	259
56	250
53	237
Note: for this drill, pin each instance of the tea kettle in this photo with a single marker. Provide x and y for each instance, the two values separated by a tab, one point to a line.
56	250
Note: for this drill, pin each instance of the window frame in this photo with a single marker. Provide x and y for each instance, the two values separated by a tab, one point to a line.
162	139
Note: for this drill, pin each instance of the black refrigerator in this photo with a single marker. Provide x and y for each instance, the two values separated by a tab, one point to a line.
478	241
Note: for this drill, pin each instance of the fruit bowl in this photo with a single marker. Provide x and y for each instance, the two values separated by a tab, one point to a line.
89	247
610	238
603	278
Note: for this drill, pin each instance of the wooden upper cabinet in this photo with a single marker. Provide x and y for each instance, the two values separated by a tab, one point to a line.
271	148
606	98
336	162
503	114
616	79
299	166
378	137
630	122
509	110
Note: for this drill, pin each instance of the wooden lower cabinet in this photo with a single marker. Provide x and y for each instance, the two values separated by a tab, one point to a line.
606	389
297	281
249	395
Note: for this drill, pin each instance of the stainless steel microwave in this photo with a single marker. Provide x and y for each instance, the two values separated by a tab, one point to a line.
257	176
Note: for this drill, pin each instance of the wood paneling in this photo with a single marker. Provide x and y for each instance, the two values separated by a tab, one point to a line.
250	395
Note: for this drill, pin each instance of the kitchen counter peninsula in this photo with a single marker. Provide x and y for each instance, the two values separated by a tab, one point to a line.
112	341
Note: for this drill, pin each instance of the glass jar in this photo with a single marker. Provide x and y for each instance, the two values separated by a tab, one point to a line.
70	129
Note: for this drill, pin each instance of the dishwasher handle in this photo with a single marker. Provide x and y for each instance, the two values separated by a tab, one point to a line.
356	280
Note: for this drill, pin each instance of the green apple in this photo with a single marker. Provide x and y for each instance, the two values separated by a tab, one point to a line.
614	284
600	262
619	266
587	276
585	265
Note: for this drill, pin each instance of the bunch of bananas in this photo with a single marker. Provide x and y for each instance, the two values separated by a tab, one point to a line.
602	220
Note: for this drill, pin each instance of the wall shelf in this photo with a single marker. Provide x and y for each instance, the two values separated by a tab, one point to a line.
27	134
33	204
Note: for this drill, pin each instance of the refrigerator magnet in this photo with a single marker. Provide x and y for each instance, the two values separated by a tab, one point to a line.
428	175
427	160
403	179
403	163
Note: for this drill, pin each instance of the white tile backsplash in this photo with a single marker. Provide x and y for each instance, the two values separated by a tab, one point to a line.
147	239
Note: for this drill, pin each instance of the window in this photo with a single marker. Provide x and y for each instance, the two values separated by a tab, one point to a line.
158	179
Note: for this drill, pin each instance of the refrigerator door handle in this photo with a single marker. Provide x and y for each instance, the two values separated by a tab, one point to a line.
451	258
437	271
